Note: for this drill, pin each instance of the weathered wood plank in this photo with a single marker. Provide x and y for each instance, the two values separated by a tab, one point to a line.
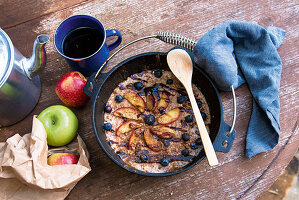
235	174
16	12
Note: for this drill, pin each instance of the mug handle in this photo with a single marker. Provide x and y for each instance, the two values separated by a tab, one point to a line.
114	32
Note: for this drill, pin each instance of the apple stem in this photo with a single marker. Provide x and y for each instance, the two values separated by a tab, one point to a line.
53	121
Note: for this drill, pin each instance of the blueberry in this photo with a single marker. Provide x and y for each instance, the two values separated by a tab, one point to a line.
198	141
185	152
119	98
189	118
107	126
157	85
194	146
150	119
158	73
138	86
169	81
108	109
144	157
199	103
164	162
181	99
185	136
203	115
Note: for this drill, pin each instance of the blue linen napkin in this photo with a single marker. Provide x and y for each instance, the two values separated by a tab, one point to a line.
236	52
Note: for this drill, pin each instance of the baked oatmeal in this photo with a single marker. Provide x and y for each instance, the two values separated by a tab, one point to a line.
149	122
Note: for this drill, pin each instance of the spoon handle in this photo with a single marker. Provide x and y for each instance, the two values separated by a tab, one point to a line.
205	138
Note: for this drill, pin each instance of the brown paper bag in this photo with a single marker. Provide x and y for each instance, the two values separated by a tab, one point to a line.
25	174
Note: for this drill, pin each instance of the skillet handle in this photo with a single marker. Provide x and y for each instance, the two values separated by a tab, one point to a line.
223	142
226	135
93	84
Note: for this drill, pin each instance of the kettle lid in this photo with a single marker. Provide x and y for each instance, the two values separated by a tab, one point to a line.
6	56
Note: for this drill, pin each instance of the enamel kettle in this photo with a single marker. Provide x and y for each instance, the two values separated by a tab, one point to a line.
19	85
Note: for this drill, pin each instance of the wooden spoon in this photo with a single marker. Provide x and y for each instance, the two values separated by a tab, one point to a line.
181	66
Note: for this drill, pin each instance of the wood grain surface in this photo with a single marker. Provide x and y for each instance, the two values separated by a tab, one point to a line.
236	177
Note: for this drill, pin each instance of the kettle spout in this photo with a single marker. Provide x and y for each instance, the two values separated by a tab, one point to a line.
38	58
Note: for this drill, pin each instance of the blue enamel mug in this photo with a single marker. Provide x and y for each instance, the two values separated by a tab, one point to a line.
81	40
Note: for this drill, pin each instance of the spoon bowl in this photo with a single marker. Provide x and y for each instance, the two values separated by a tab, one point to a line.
181	66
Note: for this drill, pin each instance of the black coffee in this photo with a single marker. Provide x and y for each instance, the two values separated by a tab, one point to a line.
82	42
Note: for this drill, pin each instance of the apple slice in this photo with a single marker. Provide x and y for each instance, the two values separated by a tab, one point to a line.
169	117
151	100
163	102
136	100
135	138
151	142
127	112
163	132
127	126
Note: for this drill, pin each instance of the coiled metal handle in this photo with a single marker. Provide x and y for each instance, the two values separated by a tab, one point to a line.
177	40
168	37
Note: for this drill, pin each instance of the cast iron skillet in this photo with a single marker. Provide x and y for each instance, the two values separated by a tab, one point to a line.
99	91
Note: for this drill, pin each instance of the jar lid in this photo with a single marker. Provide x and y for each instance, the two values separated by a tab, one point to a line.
6	56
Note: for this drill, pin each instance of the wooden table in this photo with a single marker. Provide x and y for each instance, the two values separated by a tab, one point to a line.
236	176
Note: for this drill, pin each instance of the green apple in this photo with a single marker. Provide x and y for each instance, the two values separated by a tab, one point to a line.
61	124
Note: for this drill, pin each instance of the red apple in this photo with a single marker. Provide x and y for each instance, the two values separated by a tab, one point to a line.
62	159
70	89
